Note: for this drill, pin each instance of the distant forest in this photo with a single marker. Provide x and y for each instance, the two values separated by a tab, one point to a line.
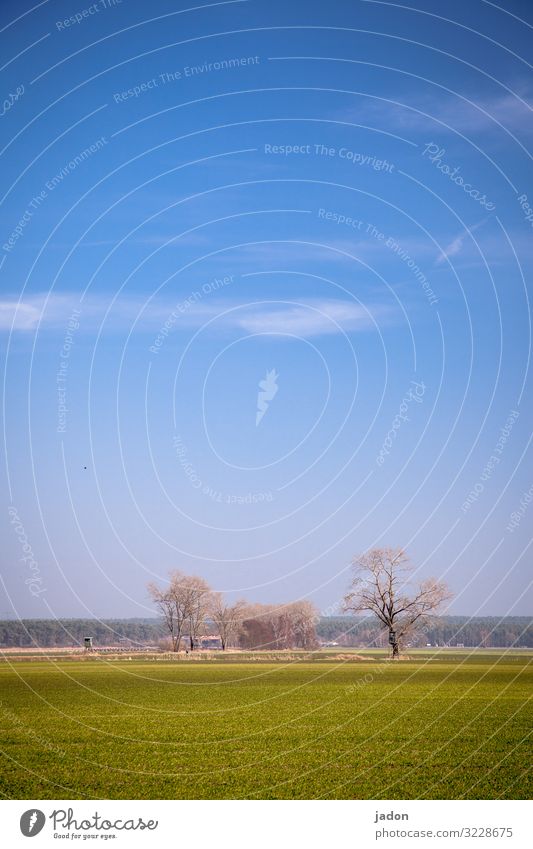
487	631
490	632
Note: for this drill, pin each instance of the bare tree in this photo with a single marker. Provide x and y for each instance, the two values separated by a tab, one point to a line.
227	617
173	604
165	604
183	605
279	622
381	586
303	616
197	596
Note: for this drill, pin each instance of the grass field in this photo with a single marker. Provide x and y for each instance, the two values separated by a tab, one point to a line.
441	726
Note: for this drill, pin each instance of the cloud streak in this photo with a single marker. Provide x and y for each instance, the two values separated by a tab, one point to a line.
456	245
305	317
315	318
481	115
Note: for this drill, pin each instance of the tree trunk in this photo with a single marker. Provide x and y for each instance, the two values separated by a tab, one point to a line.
395	651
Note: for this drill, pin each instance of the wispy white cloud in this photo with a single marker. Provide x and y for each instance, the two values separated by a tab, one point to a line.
485	114
452	249
456	245
52	312
311	317
481	114
315	318
20	316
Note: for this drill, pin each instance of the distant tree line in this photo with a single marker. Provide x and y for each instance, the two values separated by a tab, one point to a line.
48	633
487	631
269	630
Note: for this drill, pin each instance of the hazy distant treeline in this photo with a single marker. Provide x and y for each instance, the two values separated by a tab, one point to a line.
70	632
490	631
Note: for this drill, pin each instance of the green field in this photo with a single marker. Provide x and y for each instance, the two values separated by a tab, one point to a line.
440	726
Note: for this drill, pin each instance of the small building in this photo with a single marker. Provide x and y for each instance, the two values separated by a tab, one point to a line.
212	641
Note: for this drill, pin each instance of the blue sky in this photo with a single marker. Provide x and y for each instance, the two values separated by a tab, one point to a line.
195	198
